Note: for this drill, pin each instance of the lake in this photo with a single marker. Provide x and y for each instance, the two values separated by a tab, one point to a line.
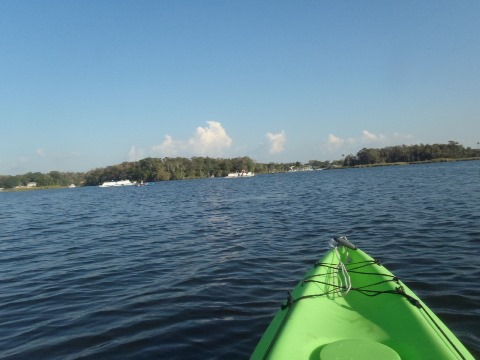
196	269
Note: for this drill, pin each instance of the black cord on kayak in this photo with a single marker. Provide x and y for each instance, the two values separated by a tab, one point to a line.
289	301
411	299
419	305
287	308
443	332
362	263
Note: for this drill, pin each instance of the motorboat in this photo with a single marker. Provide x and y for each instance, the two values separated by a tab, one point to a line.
241	174
117	183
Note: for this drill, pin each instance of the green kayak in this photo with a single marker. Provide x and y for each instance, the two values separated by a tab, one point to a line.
349	306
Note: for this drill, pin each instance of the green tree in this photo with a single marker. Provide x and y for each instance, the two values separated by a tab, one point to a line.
369	156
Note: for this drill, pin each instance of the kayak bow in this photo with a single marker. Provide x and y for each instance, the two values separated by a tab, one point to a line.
349	306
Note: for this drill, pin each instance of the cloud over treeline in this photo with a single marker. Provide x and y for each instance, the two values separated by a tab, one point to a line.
211	140
335	144
276	142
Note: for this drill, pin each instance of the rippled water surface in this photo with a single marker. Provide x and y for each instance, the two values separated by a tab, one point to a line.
196	269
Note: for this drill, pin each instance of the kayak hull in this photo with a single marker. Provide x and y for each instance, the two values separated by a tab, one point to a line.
379	314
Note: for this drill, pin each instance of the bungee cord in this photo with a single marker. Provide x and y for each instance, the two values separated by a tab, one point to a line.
345	281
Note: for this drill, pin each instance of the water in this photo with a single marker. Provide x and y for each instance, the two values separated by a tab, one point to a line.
196	269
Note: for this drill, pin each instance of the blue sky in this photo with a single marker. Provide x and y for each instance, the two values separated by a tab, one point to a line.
86	84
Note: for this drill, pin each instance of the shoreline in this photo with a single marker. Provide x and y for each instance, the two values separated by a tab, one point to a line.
35	188
442	160
337	167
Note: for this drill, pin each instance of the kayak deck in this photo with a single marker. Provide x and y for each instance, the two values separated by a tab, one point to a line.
378	317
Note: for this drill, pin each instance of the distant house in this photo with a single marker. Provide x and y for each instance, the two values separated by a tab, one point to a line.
32	184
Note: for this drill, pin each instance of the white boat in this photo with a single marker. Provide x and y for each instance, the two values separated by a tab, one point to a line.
241	174
117	183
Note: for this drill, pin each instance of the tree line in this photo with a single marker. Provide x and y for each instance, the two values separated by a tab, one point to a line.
53	178
179	168
154	169
410	154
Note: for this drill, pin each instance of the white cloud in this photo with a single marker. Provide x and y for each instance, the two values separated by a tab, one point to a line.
135	154
403	137
210	140
334	143
168	147
334	140
369	137
277	142
337	145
